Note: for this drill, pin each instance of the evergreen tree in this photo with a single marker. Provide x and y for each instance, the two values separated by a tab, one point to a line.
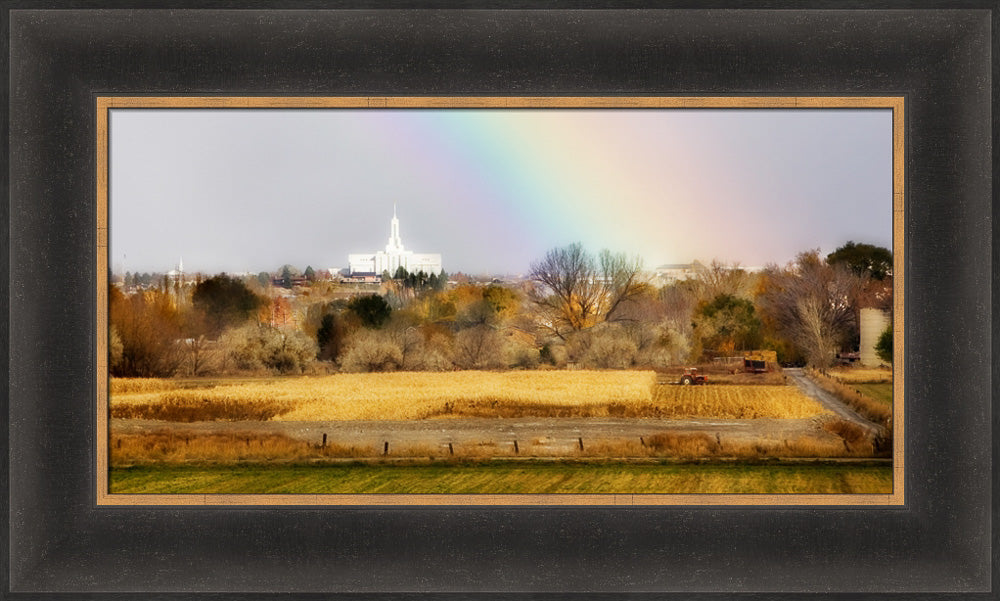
883	348
372	309
225	301
863	259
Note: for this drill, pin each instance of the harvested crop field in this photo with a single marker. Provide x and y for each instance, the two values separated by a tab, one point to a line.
400	395
736	402
424	395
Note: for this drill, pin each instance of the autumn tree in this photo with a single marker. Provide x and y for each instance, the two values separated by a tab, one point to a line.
575	290
727	323
810	303
146	327
115	350
504	301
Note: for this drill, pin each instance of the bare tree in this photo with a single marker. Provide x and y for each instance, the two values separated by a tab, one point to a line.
575	291
719	278
811	303
198	354
622	282
479	347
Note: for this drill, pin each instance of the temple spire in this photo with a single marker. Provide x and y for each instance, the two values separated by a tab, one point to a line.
395	245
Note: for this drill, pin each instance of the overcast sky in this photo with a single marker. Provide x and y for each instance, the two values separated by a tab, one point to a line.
492	190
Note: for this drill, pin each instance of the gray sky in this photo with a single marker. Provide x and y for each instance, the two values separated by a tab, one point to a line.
492	190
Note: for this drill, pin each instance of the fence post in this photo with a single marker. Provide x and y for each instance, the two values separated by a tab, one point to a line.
451	449
385	449
580	440
516	450
324	440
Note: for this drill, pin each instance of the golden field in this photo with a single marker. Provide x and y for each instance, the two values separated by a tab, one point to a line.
422	395
736	402
858	375
387	396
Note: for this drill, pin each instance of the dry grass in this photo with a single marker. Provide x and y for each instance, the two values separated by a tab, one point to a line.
700	445
867	406
736	402
122	386
180	447
184	406
860	375
391	396
235	447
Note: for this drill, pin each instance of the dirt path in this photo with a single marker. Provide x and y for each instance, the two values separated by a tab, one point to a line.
551	433
830	401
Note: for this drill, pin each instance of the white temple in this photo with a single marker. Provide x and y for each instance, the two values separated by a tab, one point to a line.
393	257
178	273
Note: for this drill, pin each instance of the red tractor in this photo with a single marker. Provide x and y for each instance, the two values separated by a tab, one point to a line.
691	376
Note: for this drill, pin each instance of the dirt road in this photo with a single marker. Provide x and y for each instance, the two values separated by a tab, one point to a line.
829	401
551	433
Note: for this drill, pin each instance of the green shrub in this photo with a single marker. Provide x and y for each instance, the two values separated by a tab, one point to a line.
883	348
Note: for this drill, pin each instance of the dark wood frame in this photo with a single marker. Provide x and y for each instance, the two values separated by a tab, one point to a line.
60	541
106	104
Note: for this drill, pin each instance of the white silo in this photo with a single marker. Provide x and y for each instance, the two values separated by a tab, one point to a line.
873	323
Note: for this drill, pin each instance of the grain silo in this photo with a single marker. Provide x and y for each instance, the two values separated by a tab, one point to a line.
873	323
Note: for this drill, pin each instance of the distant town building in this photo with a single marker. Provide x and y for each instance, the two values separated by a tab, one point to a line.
392	258
676	272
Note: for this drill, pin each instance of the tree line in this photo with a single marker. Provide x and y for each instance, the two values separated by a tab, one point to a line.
598	310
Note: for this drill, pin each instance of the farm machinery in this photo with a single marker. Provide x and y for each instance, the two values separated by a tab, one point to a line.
691	377
755	362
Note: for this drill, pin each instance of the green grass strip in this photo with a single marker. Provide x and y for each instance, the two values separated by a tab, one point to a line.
503	478
881	392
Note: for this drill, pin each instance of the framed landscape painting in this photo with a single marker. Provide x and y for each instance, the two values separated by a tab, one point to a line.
645	303
646	300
